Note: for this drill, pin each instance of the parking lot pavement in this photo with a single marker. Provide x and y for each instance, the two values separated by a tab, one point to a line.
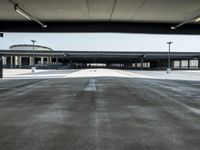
99	113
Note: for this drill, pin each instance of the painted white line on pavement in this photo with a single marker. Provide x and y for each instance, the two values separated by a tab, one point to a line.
91	86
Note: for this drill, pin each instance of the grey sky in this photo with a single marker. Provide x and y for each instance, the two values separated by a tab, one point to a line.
104	41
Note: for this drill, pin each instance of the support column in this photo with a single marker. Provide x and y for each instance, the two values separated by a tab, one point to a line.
11	61
56	59
42	61
31	61
19	61
199	62
180	64
142	63
16	60
1	67
188	64
50	60
4	60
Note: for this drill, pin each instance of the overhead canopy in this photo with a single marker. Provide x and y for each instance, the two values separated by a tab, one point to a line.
104	56
154	16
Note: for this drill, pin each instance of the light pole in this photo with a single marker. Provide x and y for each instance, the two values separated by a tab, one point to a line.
169	61
33	67
1	62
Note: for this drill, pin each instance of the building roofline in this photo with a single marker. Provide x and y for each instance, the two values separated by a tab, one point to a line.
29	45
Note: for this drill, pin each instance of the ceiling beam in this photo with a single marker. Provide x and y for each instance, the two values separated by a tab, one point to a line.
92	27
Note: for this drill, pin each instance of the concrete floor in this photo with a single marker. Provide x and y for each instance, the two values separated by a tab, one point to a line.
99	113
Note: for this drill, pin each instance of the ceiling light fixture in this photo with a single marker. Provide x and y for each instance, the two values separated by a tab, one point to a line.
196	19
27	15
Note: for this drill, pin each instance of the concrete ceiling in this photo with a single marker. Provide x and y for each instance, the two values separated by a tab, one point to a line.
153	11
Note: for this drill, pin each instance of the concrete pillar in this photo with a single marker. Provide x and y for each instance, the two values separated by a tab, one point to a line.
1	67
19	61
4	60
188	64
31	61
11	61
50	60
47	60
16	60
142	63
56	59
42	61
180	64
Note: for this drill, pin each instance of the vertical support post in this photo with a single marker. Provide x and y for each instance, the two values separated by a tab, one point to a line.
188	64
1	67
50	60
4	60
180	64
42	61
56	59
169	58
33	67
30	61
199	62
1	62
16	60
142	62
11	61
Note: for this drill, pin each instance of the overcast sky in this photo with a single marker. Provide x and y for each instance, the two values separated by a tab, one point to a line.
104	41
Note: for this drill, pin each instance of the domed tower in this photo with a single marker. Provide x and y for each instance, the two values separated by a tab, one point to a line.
27	61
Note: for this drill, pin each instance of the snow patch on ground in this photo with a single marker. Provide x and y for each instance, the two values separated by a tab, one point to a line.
95	73
90	73
15	72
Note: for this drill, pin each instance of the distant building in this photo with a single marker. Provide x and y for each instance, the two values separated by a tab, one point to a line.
21	56
29	47
26	61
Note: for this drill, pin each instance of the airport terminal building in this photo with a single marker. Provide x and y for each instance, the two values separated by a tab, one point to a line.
26	55
26	61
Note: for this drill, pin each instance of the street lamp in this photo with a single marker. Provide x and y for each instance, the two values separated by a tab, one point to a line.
33	67
169	61
1	62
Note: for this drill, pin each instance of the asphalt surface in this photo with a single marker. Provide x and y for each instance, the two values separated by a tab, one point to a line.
99	113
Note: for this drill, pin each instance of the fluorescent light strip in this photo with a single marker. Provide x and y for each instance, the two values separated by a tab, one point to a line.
23	14
28	16
198	19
